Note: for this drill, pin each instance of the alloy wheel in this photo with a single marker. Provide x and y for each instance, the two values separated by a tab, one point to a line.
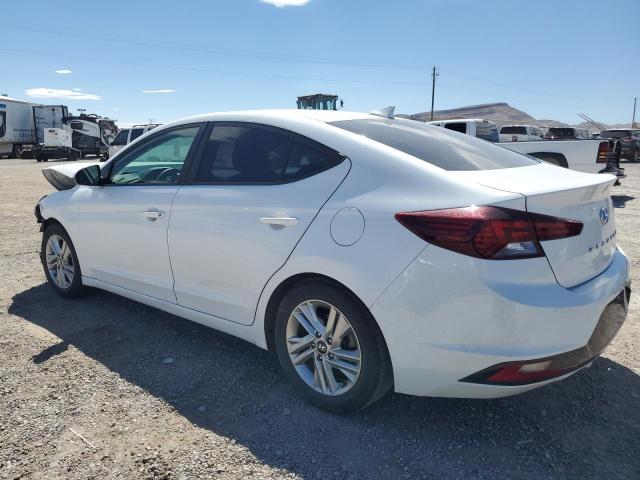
323	347
59	261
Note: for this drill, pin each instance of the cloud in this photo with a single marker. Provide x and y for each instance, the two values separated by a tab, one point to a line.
56	93
63	71
164	90
286	3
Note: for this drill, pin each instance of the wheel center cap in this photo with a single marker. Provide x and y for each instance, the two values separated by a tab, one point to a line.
322	347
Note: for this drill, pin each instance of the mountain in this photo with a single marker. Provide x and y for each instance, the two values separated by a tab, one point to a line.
501	114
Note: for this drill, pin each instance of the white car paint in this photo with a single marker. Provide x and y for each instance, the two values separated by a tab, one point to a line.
443	315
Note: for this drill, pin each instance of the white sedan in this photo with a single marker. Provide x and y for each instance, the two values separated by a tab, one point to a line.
369	253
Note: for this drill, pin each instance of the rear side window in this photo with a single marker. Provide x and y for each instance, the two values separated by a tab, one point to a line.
456	127
514	130
251	154
435	145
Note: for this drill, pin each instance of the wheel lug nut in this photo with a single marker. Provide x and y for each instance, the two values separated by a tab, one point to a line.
318	335
331	356
329	340
313	344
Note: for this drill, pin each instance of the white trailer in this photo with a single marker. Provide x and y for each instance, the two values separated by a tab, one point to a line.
17	127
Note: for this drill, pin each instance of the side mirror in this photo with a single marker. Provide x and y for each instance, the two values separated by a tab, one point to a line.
88	176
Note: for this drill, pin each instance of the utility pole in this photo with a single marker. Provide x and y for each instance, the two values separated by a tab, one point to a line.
434	74
82	110
633	122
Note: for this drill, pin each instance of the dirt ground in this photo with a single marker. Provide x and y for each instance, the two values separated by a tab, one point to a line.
106	388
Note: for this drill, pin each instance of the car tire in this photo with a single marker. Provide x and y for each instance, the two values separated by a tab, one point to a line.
348	384
636	156
61	266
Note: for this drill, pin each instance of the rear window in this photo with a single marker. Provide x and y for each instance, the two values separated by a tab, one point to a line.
456	127
615	133
562	132
487	131
436	146
514	130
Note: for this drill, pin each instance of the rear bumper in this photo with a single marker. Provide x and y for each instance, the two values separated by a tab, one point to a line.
448	317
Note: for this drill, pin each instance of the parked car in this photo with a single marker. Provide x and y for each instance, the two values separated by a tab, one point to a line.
476	127
629	139
520	133
128	135
369	253
567	133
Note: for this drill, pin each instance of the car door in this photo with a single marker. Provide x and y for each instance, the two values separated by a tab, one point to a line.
123	223
255	191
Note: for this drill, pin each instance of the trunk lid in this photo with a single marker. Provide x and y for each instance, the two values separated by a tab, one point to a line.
564	193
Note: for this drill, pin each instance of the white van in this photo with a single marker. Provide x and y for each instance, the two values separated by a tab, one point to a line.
128	135
476	127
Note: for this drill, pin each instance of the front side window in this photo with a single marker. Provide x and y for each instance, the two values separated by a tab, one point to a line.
159	160
121	138
250	154
436	146
135	133
487	131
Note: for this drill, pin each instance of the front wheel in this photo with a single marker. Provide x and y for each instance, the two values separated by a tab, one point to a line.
60	262
636	156
330	347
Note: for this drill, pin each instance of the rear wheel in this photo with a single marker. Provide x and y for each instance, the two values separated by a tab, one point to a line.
60	262
330	347
636	156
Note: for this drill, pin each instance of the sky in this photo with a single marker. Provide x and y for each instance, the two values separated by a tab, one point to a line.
159	60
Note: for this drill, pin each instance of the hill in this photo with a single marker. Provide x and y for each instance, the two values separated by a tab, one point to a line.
500	113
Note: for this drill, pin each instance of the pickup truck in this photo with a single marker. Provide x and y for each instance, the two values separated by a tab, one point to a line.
520	133
589	156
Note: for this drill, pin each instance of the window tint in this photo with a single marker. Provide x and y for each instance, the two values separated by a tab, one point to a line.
436	146
135	133
456	127
249	154
487	131
121	138
158	160
514	130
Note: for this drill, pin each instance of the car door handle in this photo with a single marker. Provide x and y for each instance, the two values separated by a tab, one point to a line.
280	221
152	215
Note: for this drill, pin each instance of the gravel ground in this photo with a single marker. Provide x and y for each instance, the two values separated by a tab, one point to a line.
107	388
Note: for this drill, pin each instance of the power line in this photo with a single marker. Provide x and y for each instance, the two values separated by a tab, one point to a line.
434	74
198	48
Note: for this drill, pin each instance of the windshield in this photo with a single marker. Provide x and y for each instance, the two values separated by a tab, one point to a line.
437	146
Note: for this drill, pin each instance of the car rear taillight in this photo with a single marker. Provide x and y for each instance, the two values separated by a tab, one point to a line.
603	151
493	233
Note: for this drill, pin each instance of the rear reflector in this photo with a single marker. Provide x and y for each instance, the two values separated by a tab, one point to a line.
493	233
519	373
603	151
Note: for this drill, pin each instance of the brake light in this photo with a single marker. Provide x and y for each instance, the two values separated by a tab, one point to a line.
603	151
493	233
